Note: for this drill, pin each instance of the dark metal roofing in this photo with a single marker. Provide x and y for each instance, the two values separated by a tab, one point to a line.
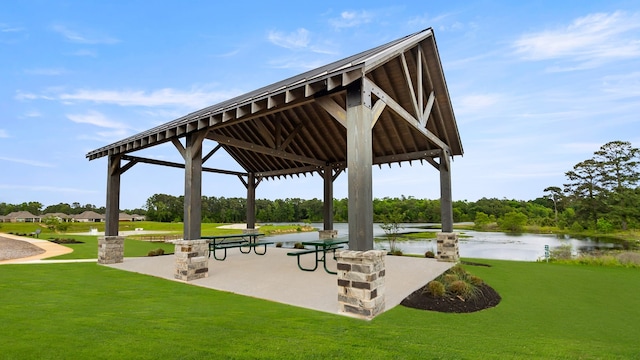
297	125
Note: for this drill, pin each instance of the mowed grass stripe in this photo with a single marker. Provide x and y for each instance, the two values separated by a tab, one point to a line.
85	310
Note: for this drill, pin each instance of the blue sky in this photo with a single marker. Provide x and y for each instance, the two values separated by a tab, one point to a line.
536	87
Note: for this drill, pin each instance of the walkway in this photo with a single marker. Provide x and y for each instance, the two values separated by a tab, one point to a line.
276	277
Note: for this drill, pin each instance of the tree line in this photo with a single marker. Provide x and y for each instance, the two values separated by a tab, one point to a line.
602	194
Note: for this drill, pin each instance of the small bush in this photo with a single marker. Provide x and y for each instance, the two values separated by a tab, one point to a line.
562	252
474	280
66	241
450	278
435	288
156	252
429	254
629	258
298	246
396	252
461	288
279	244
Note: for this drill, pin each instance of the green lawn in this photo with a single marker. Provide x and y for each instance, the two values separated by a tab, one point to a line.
83	310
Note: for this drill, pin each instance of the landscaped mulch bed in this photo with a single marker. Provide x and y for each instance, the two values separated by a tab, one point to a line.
486	298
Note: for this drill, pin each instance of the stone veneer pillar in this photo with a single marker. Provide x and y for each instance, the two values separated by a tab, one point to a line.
448	247
110	249
328	234
191	259
361	287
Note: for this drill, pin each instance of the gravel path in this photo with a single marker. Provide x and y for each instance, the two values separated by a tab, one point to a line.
14	249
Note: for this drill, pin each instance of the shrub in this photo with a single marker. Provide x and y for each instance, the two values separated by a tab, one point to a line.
562	252
474	280
298	246
450	278
429	254
460	287
435	288
279	244
156	252
396	252
576	227
629	258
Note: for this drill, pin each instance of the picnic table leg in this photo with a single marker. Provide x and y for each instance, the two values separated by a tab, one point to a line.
325	262
256	251
216	256
307	269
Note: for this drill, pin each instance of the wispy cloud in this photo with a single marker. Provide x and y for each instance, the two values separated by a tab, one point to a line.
349	19
26	162
88	37
45	188
114	130
96	118
3	134
298	39
587	42
11	34
194	98
84	52
45	71
33	114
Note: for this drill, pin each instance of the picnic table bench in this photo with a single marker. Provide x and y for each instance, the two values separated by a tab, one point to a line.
320	249
240	241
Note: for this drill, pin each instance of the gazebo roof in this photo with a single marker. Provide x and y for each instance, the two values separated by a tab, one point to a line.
298	125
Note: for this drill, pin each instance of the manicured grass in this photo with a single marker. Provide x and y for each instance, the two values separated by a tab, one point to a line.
89	248
132	247
548	311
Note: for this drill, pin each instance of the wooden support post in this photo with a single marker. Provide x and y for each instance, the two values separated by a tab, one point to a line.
112	214
328	197
359	164
251	201
193	186
446	204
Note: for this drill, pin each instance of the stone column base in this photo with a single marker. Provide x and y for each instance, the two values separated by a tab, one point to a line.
361	287
110	249
448	247
191	259
328	234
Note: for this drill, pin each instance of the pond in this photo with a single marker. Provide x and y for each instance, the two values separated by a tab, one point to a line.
473	244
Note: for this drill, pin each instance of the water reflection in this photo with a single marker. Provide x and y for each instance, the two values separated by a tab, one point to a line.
483	245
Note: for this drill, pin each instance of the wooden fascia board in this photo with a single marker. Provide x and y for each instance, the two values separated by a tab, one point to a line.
384	56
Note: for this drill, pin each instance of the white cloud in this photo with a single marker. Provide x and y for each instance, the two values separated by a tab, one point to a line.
589	41
349	19
95	118
476	103
33	114
627	85
193	99
85	52
87	38
3	133
45	71
46	188
27	162
298	39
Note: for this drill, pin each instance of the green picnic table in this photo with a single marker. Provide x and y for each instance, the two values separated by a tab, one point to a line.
240	241
320	249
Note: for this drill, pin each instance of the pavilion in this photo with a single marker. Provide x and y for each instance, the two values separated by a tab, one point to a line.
389	104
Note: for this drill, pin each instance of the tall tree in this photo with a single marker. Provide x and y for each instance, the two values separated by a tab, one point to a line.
554	193
585	190
618	175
